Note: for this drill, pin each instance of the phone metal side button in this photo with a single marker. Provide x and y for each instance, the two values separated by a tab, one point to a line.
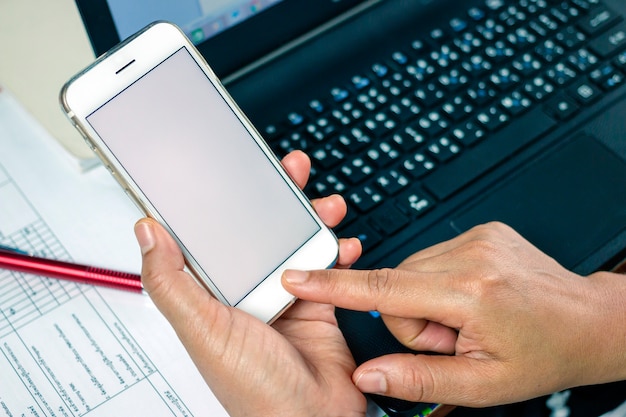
85	137
134	199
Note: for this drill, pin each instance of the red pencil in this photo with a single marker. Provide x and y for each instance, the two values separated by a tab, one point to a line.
70	271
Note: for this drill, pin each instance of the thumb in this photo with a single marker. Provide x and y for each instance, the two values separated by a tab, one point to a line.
184	303
454	380
162	271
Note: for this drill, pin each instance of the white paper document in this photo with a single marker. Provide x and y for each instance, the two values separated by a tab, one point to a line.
69	349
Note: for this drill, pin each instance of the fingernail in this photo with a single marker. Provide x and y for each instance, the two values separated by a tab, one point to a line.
372	382
145	237
295	277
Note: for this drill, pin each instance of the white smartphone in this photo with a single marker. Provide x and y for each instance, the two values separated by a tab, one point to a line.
161	121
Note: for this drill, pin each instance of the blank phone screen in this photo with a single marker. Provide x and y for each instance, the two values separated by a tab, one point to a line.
206	176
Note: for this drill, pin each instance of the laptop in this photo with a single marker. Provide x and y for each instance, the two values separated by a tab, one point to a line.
429	117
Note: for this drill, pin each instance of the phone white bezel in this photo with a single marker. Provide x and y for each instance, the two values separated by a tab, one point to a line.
103	80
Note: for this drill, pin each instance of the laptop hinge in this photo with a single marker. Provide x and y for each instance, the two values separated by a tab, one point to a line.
299	41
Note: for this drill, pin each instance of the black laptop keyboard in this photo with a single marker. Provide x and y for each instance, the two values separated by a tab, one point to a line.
422	123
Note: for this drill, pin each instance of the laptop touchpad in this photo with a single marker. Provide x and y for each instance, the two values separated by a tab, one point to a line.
568	204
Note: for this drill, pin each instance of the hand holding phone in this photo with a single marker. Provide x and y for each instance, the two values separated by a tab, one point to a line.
169	132
299	365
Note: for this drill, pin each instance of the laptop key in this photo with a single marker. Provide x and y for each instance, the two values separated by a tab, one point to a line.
458	108
415	202
561	107
382	154
418	165
584	5
404	110
559	15
561	74
366	234
388	219
539	88
329	184
355	140
481	94
408	139
620	61
433	123
570	37
339	94
429	95
607	77
392	181
443	149
550	51
585	92
476	14
598	20
515	103
460	172
611	42
317	106
582	60
492	118
469	133
380	124
365	198
357	170
327	156
612	82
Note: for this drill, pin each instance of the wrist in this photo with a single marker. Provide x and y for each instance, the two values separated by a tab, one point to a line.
606	334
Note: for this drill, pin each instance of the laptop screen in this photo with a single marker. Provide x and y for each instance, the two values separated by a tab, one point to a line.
231	34
199	19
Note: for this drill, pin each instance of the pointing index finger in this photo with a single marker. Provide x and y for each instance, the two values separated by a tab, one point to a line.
390	291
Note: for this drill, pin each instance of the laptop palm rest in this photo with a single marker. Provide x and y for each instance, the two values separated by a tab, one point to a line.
568	204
